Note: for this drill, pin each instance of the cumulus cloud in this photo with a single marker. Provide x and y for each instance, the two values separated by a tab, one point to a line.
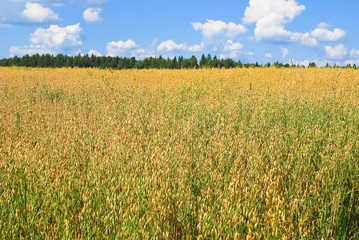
232	46
271	16
218	37
354	53
26	11
304	39
35	12
30	50
142	53
337	52
52	40
284	51
121	48
268	55
169	46
231	49
213	28
58	37
92	15
94	52
322	33
227	55
323	25
195	48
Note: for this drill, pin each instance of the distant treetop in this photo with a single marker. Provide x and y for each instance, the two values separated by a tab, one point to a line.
86	61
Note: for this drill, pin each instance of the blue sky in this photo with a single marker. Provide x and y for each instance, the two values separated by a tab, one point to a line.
298	31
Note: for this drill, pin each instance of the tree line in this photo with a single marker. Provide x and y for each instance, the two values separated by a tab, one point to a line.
86	61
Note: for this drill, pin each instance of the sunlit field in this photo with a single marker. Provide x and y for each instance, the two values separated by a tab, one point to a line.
259	153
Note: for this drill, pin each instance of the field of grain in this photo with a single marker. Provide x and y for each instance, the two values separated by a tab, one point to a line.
260	153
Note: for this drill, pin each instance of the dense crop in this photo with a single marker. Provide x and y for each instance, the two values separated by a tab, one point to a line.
238	154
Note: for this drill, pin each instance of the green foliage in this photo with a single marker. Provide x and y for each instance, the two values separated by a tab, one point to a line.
104	62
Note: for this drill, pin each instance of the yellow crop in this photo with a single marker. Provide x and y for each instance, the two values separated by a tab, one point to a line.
259	153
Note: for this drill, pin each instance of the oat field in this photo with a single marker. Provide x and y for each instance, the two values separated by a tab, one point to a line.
259	153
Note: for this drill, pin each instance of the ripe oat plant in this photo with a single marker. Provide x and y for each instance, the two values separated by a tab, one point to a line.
259	153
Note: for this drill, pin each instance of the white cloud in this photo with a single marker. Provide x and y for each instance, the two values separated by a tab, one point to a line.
351	62
169	46
323	25
228	55
58	37
337	52
145	52
268	55
235	54
223	48
318	63
354	53
230	49
94	52
271	16
141	53
52	40
285	52
30	50
36	13
120	48
232	46
304	39
213	28
324	62
92	15
218	37
25	12
273	32
302	63
286	10
321	33
195	48
130	48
